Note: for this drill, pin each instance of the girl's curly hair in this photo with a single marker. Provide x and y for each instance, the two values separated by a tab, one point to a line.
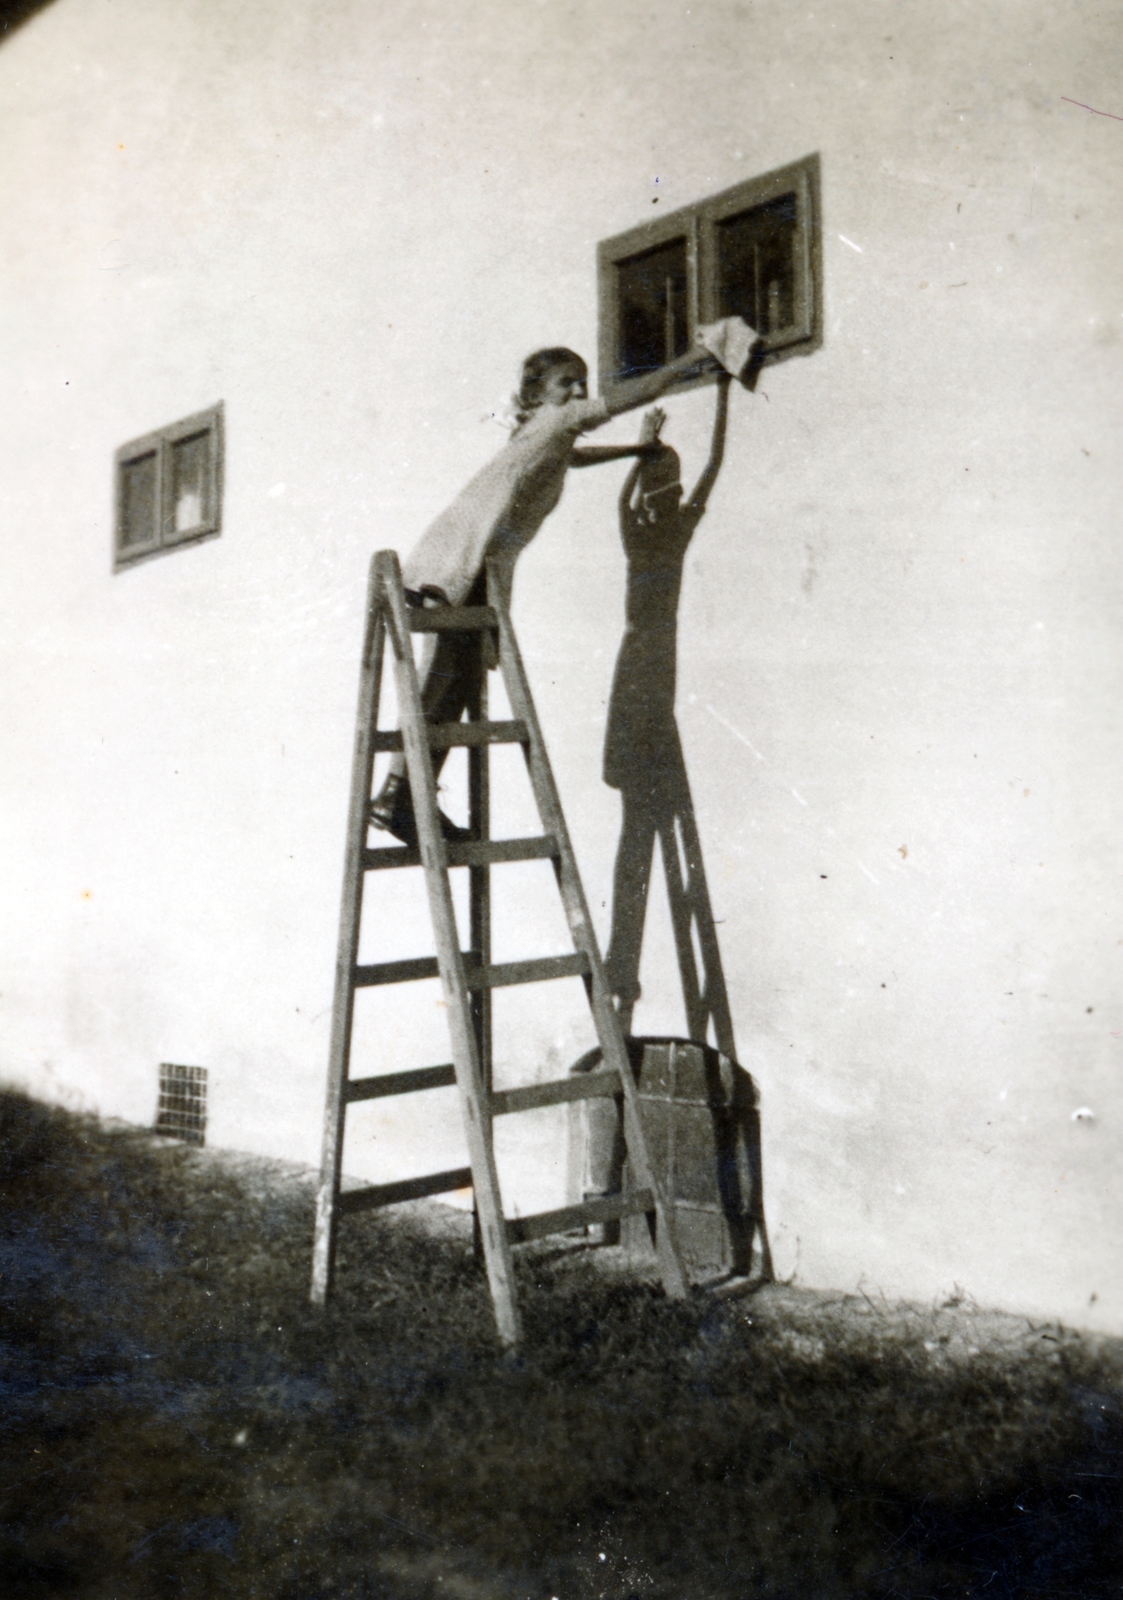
536	368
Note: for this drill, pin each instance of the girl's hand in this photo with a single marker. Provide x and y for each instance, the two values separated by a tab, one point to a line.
652	425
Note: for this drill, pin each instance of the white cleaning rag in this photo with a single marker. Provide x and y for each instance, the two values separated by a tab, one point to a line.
730	340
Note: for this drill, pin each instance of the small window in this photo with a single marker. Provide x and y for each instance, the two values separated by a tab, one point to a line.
753	251
181	1111
169	488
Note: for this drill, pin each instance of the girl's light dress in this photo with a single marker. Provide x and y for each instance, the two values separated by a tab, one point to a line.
498	513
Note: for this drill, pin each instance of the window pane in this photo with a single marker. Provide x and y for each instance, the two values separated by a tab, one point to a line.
190	476
756	265
652	301
138	501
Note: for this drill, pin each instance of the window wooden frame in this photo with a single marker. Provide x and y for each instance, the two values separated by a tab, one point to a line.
699	226
160	447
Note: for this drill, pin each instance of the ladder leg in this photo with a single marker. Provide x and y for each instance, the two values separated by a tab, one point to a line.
606	1019
631	879
756	1197
715	997
350	914
479	888
692	900
479	877
465	1054
697	1014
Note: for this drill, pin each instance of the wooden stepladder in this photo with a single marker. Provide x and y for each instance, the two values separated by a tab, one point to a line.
467	977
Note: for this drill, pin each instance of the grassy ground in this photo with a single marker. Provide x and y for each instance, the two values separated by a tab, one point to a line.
178	1421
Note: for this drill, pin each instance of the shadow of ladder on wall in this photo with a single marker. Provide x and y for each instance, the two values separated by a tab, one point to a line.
467	977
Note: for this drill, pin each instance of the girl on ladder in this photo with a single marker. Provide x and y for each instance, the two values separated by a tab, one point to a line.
496	516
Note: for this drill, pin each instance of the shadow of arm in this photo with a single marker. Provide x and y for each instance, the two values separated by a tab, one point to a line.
704	487
626	494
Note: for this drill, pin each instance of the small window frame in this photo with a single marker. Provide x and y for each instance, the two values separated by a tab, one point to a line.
699	226
161	444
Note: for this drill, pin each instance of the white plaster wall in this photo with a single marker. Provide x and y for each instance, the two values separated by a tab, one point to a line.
899	626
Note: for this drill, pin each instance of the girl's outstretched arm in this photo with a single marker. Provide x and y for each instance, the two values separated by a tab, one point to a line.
641	391
704	486
587	455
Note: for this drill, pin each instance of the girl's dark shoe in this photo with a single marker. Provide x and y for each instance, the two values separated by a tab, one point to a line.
392	809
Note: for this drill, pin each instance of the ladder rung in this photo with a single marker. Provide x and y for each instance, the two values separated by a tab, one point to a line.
581	1086
395	972
487	852
392	1194
521	1229
484	853
399	1083
454	735
452	619
506	973
390	855
451	735
502	975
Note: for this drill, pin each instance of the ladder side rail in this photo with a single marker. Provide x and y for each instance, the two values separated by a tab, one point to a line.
479	889
477	1118
628	925
607	1021
350	916
479	872
715	996
756	1197
682	919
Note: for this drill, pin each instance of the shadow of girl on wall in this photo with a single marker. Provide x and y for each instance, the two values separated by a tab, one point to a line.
643	752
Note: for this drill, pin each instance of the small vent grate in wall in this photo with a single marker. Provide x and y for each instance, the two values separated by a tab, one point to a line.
182	1109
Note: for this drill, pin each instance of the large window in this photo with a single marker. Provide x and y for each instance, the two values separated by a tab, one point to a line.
753	251
169	488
